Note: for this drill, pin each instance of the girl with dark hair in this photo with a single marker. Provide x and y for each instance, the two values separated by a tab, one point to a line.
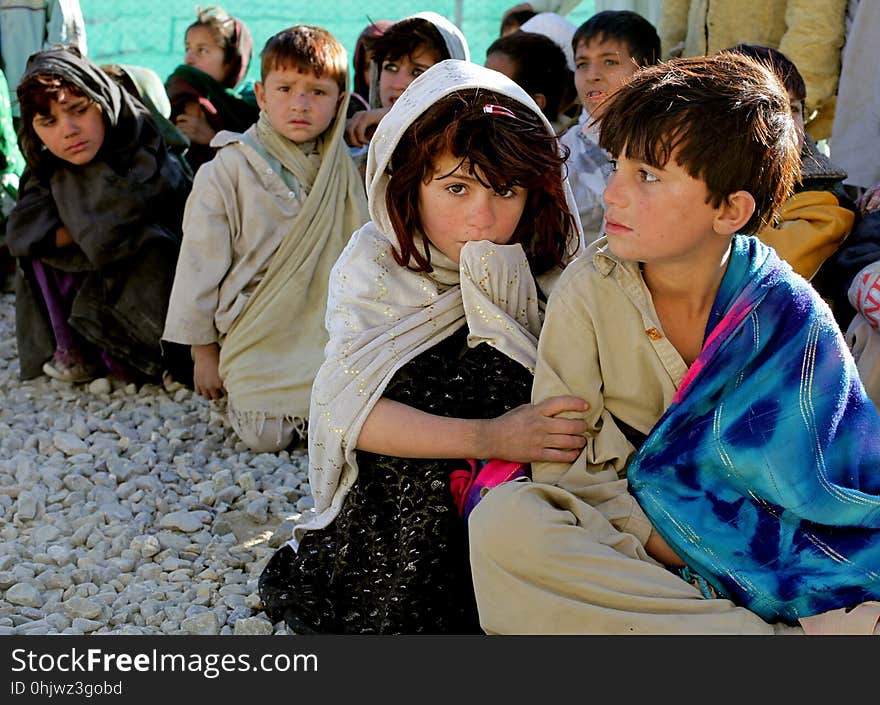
361	60
96	229
204	91
434	311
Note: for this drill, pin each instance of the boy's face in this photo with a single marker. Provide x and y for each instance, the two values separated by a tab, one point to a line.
73	130
797	114
502	63
655	215
397	74
456	208
300	105
601	65
203	53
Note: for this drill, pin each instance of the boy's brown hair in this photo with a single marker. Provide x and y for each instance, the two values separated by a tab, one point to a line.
505	149
725	119
308	48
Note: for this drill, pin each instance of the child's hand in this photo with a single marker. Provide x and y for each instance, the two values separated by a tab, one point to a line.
361	126
206	371
62	237
193	123
530	432
659	550
870	200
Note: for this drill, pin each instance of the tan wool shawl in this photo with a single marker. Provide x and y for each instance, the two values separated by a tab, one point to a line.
272	351
381	315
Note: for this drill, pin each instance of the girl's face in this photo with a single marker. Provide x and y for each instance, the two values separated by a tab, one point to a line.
204	53
73	130
456	208
397	74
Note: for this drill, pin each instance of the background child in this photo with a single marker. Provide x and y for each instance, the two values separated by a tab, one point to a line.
537	64
96	228
608	49
202	89
267	218
730	442
404	51
818	216
436	335
361	61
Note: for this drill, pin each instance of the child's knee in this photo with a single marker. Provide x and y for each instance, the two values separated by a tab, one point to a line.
506	523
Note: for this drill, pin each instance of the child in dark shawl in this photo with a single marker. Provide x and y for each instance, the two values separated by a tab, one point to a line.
97	227
202	90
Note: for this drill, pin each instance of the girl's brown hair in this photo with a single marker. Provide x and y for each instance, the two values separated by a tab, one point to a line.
501	151
35	96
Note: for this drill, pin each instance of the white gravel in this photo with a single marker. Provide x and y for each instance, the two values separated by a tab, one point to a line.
133	511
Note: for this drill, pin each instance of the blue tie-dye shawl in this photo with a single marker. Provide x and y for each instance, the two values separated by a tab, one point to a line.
764	472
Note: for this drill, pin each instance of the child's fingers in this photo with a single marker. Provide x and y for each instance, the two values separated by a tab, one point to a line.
561	441
553	455
563	426
557	405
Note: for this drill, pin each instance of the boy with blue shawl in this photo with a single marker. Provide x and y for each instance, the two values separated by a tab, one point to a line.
729	483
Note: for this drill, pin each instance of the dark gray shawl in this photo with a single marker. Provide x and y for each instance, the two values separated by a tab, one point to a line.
123	210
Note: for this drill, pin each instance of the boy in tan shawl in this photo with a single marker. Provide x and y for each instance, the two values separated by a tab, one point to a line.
267	219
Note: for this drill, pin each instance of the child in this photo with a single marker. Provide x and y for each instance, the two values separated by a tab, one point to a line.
468	160
730	441
267	218
96	228
202	90
608	49
513	21
11	166
818	216
363	57
404	51
537	64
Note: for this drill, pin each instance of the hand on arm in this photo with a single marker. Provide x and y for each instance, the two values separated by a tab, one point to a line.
62	237
525	434
206	371
193	123
360	127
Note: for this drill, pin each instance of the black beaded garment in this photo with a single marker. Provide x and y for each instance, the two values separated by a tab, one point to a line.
395	560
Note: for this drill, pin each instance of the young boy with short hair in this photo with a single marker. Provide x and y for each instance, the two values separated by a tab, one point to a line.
267	218
728	484
608	48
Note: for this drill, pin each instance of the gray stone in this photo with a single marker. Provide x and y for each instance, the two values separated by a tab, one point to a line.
251	626
69	444
100	386
188	522
46	533
82	607
205	623
24	594
282	534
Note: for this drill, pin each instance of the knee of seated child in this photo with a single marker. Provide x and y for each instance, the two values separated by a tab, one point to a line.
504	523
265	435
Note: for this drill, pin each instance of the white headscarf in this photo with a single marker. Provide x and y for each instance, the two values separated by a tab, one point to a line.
557	28
381	315
456	46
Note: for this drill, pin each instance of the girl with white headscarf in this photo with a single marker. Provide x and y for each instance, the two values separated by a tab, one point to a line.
433	317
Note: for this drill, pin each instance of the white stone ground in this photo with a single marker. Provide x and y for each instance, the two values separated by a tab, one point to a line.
132	511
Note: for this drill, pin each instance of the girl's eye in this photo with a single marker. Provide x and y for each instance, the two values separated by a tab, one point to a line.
457	189
647	176
507	193
610	62
389	66
318	91
417	72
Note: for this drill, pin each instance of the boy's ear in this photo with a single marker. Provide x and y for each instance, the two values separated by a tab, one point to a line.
259	92
733	213
540	99
341	97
